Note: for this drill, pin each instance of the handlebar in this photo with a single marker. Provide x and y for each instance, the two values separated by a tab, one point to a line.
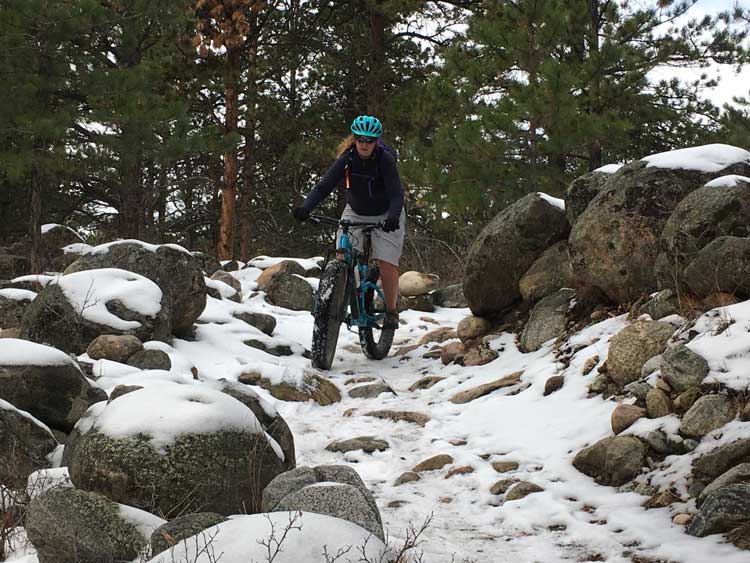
343	223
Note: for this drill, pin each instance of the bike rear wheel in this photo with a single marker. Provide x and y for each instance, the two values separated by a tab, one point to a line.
375	343
330	307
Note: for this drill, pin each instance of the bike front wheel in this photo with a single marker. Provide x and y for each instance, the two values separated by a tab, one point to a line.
330	307
375	343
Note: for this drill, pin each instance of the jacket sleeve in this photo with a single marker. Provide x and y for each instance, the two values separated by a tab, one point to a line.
393	187
327	184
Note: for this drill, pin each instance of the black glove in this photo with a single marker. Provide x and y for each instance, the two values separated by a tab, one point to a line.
300	213
390	224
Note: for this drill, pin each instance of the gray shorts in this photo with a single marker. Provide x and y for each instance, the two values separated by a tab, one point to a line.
385	246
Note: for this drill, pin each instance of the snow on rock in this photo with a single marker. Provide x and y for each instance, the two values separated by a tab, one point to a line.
17	294
47	227
557	202
90	290
41	279
264	262
17	352
77	248
728	181
609	168
706	158
168	410
45	479
104	248
309	537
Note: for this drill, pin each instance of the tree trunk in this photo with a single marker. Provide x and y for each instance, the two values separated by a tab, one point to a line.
231	164
249	161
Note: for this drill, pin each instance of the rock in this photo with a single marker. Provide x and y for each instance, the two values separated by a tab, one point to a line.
612	461
658	403
208	263
463	470
229	279
707	414
548	320
653	364
682	368
487	388
370	390
639	390
685	400
581	191
624	416
272	348
367	444
438	335
451	351
472	327
335	490
407	477
451	296
115	302
12	266
504	466
73	526
738	474
590	365
521	490
425	382
630	348
699	218
434	463
121	390
177	273
553	384
479	356
266	279
549	273
290	291
723	510
723	458
45	382
314	387
217	289
740	536
682	519
723	265
150	359
397	416
182	528
411	284
417	303
115	347
264	323
663	499
658	441
202	450
24	446
58	247
13	305
506	248
662	304
614	242
501	486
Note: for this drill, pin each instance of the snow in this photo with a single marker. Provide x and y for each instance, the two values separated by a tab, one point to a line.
609	168
706	158
77	248
309	536
47	227
167	410
728	181
41	279
559	203
264	262
90	291
17	352
6	406
224	289
104	248
144	522
17	294
45	479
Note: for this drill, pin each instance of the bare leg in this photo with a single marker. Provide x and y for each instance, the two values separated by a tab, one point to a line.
389	276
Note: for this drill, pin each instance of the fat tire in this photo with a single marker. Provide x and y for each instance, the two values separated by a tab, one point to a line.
375	343
329	313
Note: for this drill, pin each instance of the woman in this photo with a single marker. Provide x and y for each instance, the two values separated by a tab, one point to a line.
373	194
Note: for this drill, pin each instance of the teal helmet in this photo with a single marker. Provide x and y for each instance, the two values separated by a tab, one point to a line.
367	126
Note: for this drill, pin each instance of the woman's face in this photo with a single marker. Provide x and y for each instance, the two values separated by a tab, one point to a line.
365	146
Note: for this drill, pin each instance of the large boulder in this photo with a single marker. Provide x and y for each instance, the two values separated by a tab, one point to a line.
630	348
335	490
182	528
723	265
177	273
58	246
76	308
290	291
723	510
721	208
25	444
720	460
548	320
174	448
285	267
411	284
614	243
506	248
612	461
13	304
46	383
550	272
72	526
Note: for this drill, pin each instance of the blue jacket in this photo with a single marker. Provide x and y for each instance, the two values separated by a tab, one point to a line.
374	186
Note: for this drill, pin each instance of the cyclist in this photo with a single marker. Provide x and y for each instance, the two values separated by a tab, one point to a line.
373	194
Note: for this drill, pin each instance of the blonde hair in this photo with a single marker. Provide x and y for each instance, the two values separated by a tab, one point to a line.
345	144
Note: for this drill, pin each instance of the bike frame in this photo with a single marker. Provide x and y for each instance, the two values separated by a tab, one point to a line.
358	269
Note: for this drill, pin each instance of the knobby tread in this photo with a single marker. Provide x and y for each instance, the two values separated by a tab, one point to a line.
329	313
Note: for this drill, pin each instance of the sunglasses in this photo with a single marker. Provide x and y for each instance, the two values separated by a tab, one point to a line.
366	140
